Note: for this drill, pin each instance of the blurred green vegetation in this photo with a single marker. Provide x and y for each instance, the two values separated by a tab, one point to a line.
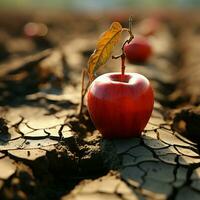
97	4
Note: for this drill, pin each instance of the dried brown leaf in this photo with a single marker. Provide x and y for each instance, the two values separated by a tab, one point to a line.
105	45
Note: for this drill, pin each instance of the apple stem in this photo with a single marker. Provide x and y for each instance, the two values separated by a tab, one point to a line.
123	58
123	55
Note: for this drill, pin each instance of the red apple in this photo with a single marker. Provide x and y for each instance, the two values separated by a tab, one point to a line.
120	105
138	50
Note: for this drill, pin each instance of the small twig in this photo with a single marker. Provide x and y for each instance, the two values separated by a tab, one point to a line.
130	24
83	91
123	55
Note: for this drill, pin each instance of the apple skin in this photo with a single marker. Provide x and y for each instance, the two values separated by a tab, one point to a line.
138	50
120	106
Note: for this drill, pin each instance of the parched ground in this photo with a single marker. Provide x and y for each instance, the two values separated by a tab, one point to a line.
47	152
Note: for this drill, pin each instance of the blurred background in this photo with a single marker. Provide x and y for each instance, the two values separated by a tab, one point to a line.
97	5
70	29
